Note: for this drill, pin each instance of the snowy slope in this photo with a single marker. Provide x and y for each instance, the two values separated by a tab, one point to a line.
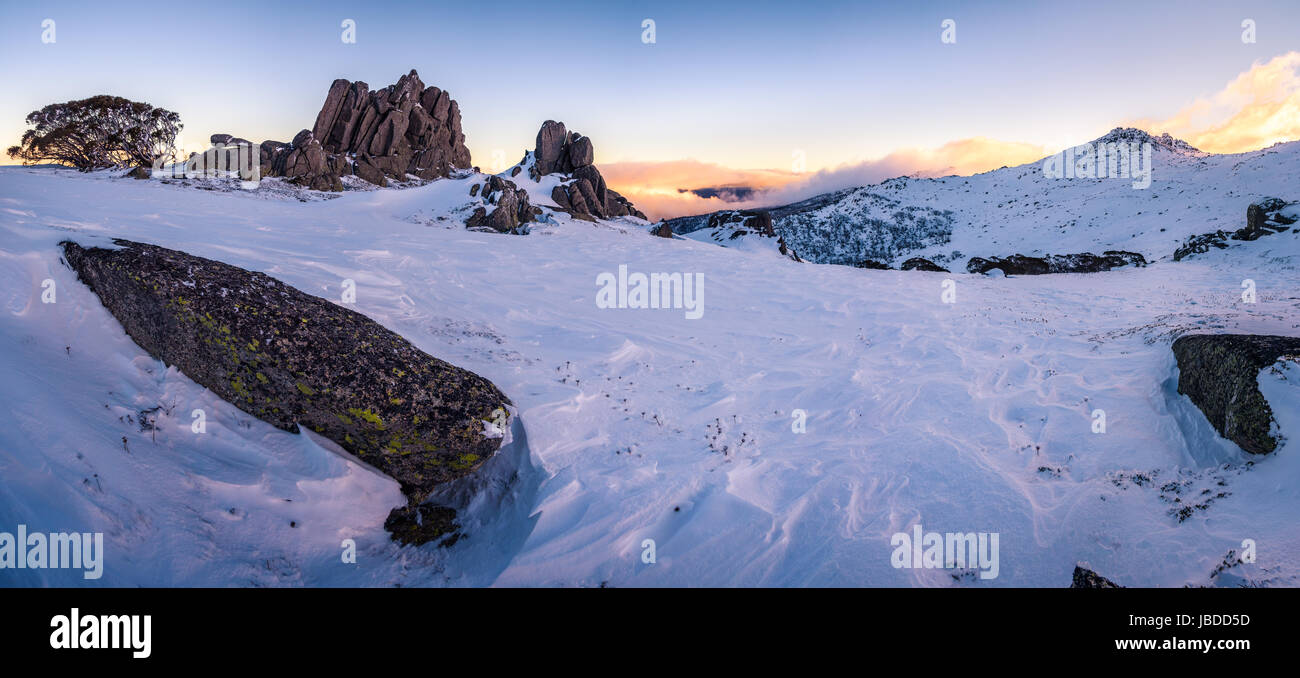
1018	210
642	424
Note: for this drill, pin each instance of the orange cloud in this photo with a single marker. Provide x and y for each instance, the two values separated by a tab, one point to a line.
1259	108
654	187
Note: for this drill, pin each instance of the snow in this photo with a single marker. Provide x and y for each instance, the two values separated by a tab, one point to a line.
636	424
1017	210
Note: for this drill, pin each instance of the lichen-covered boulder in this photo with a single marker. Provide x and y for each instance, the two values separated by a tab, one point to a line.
292	359
1220	373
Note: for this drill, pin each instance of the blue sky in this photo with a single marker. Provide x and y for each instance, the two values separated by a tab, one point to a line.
734	83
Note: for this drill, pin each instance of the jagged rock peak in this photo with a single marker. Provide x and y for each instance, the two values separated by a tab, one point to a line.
1135	135
584	194
405	128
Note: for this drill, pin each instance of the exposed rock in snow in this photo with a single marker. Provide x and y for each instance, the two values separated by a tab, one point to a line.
1266	217
1018	264
1219	373
292	360
744	229
920	264
511	210
583	191
401	131
1087	579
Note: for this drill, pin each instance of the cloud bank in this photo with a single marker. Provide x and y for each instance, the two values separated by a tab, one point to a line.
655	187
1258	108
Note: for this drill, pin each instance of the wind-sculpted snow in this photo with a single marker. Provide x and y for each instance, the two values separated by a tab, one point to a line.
643	425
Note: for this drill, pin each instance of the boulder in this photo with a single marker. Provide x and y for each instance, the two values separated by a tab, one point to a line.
1087	579
1220	374
1263	218
872	264
294	360
919	264
663	230
551	139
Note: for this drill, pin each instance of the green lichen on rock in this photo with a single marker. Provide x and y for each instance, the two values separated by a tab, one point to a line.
292	359
1220	373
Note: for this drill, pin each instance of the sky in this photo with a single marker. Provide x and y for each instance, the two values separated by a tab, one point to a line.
764	94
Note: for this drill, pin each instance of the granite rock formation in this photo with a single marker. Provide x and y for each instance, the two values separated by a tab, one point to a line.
583	193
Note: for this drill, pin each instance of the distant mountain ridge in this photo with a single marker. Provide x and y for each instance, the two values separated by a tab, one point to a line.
1019	210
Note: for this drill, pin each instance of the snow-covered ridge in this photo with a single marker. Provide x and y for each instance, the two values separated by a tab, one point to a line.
1018	210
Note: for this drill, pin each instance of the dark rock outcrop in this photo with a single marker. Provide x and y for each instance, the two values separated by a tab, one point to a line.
1087	579
1219	373
403	129
1263	218
584	194
745	221
291	359
786	249
872	264
306	163
394	133
1200	244
730	225
663	230
919	264
511	210
1019	264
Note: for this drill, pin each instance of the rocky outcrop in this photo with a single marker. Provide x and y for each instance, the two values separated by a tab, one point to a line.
291	360
1266	217
394	133
1087	579
744	221
1220	374
1018	264
511	207
306	163
872	264
403	129
728	225
663	230
786	250
1200	244
919	264
583	193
